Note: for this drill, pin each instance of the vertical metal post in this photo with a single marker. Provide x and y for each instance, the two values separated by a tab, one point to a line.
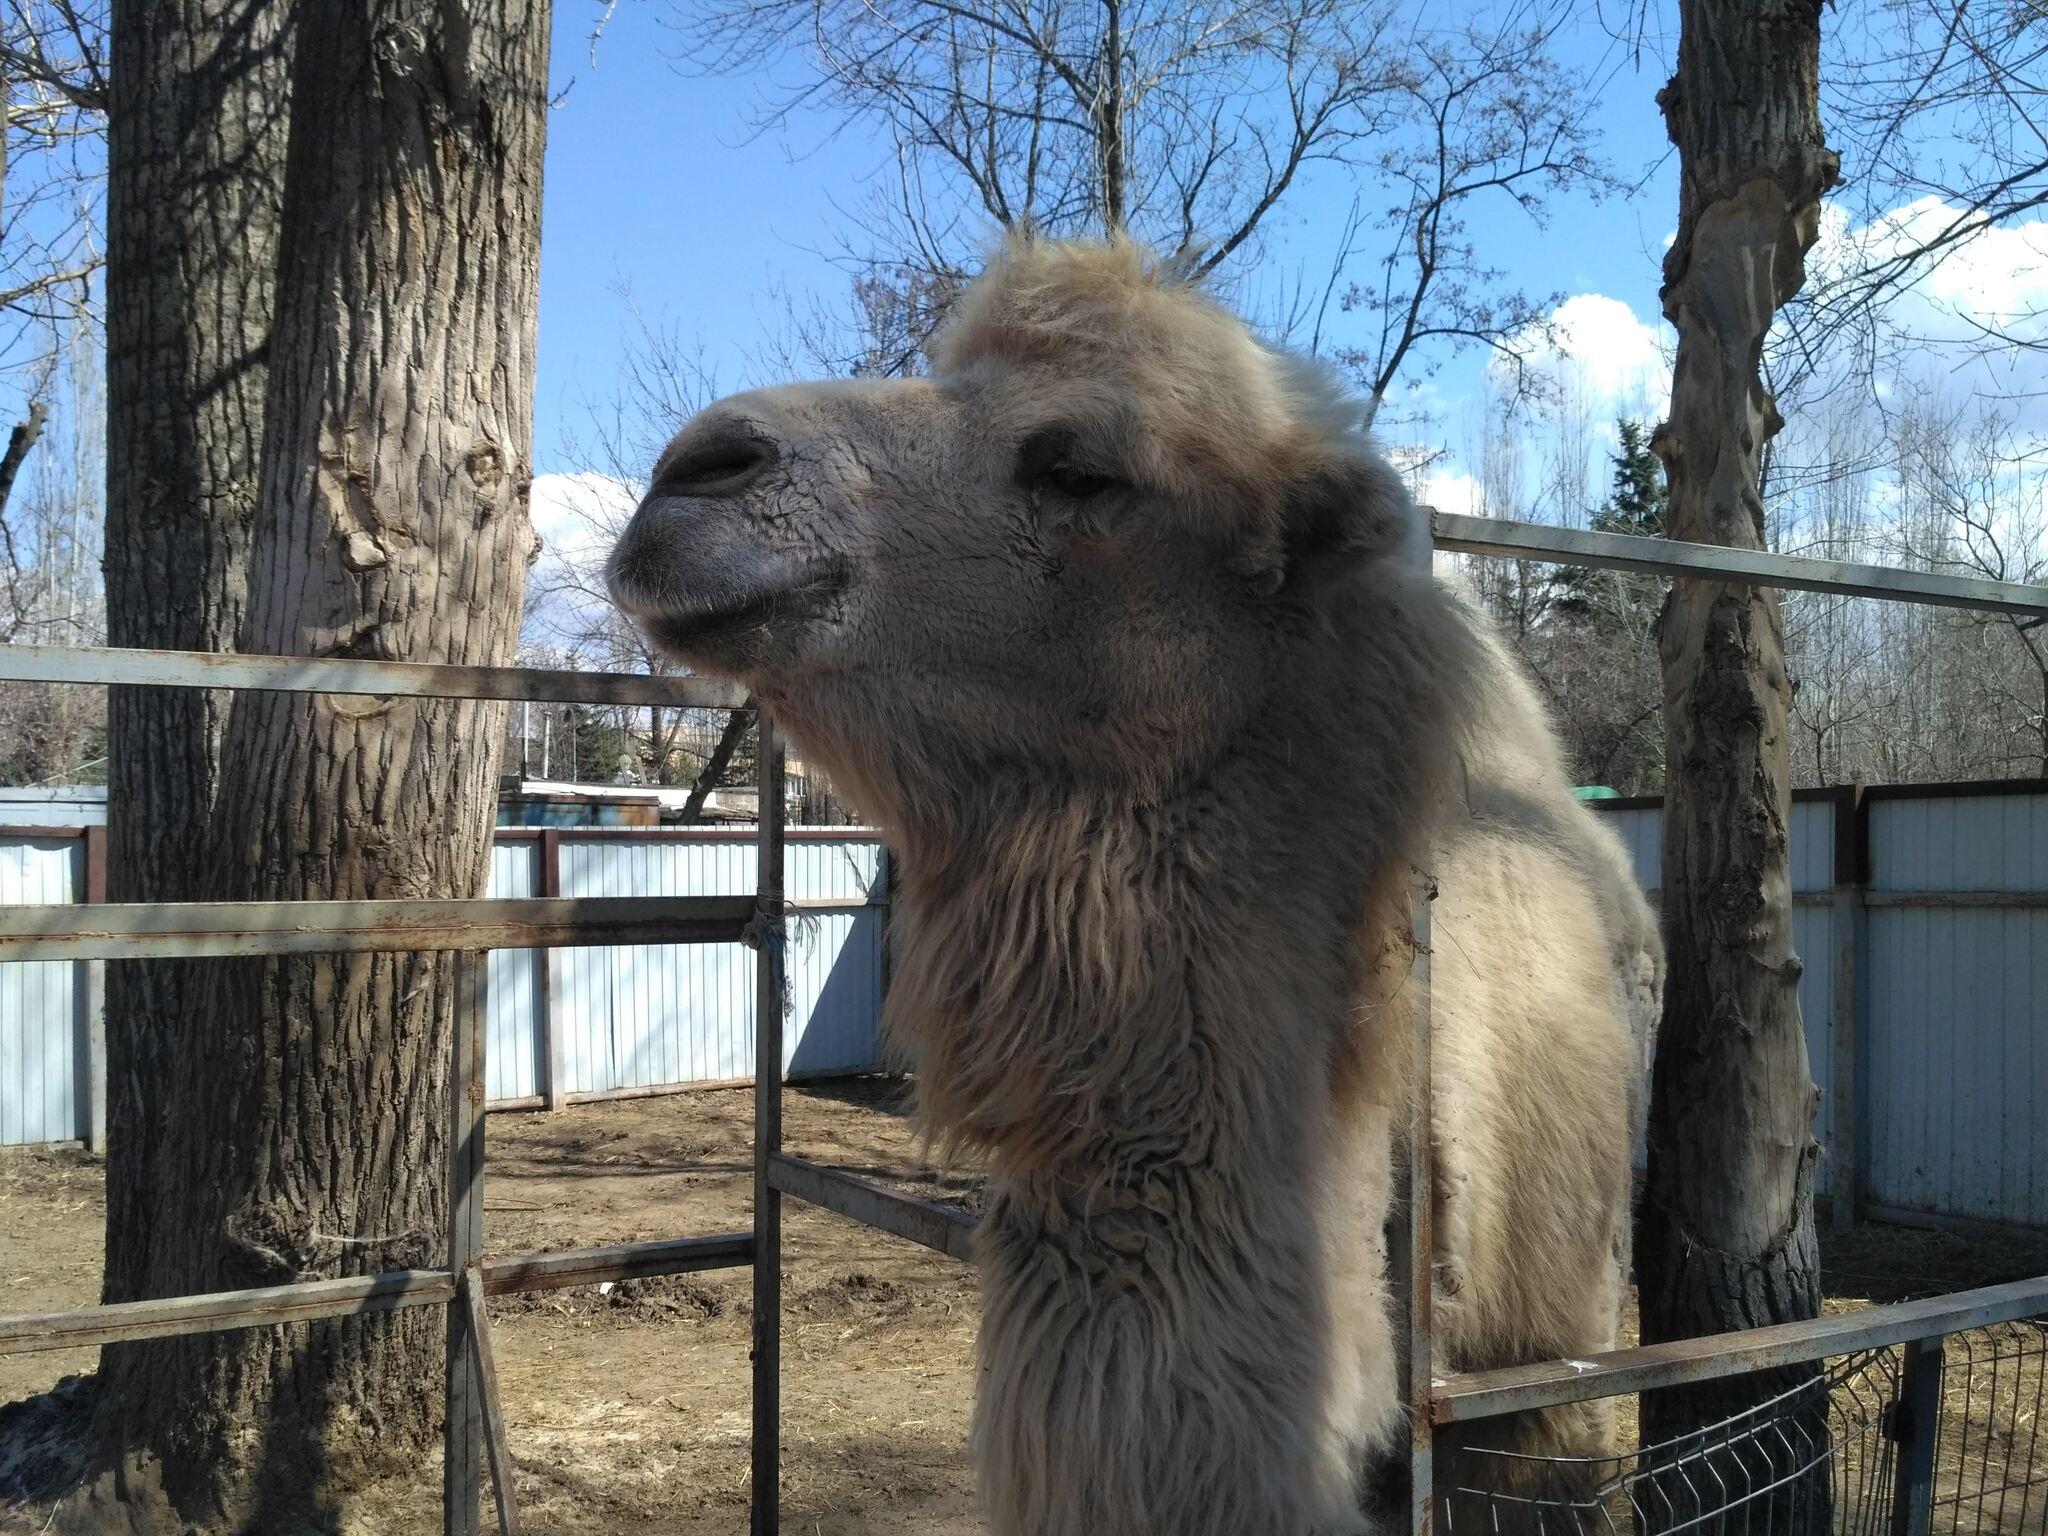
1421	1244
1419	1249
93	1006
554	1056
768	999
1845	1196
1917	1428
463	1442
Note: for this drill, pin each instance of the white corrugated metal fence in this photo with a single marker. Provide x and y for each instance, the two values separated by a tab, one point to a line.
564	1025
1933	926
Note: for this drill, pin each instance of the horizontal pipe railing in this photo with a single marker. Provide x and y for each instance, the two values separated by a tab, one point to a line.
310	1300
1711	562
190	930
518	1274
1451	531
941	1227
328	674
306	1301
1513	1389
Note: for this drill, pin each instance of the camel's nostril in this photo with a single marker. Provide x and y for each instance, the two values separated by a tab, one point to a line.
724	466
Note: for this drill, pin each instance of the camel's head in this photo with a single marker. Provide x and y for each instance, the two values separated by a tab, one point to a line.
1076	552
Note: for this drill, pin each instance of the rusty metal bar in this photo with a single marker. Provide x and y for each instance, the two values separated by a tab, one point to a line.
486	1367
1708	562
526	1272
187	930
1487	1394
326	674
463	1424
308	1301
941	1227
769	935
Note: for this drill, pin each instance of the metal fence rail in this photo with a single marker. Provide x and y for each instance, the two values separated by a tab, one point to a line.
469	927
331	674
1710	562
190	930
308	1300
1460	1398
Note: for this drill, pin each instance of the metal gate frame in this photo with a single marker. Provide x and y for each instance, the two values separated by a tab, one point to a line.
475	1429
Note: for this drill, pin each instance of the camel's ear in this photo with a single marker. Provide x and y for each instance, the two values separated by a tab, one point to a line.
1344	512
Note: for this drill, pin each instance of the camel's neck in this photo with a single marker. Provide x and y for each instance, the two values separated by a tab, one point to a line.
1086	985
1149	1018
1140	1019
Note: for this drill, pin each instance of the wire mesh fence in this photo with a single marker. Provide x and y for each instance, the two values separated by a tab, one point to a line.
1831	1454
1991	1469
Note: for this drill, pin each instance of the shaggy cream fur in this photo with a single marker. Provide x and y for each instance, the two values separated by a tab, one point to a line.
1114	623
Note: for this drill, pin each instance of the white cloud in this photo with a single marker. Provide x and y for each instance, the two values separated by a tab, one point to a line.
1597	359
1451	490
577	517
1991	278
1595	354
578	514
1622	358
1996	274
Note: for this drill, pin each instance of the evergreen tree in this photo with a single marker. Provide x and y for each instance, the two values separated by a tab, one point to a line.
598	744
1635	506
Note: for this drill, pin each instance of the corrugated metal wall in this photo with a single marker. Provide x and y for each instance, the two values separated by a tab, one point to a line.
1957	1014
640	1016
42	1029
515	1051
1951	1038
631	1018
1813	935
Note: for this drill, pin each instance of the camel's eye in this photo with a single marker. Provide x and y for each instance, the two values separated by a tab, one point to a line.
1048	462
1077	484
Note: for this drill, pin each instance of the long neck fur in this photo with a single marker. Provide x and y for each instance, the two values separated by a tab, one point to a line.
1138	1013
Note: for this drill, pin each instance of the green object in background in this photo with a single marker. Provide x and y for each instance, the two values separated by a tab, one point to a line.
1596	792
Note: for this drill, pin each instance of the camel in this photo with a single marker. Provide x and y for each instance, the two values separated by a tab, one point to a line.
1125	634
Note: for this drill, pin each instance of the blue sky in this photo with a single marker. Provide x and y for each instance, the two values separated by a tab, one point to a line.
654	184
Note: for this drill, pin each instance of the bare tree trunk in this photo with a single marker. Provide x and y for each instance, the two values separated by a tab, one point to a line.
19	441
1726	1237
1109	119
392	523
195	184
736	726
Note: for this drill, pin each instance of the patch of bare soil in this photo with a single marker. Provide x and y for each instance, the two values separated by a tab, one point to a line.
628	1408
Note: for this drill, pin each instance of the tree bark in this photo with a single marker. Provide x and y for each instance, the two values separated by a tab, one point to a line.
1109	120
1726	1234
392	523
19	441
195	183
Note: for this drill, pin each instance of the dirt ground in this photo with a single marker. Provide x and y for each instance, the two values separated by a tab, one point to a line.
630	1409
